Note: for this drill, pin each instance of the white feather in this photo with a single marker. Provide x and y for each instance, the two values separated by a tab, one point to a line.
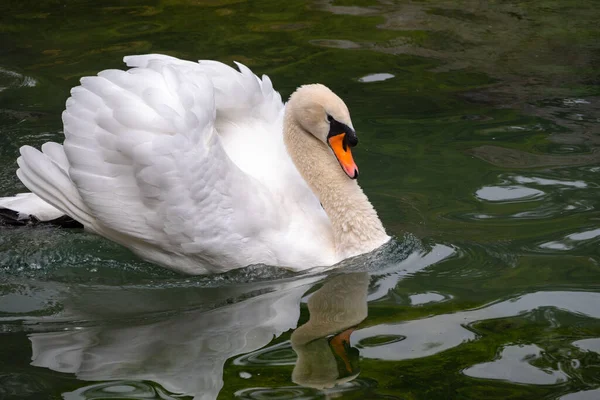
27	204
184	163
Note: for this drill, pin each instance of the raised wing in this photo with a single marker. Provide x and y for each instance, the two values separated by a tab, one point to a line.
147	159
249	121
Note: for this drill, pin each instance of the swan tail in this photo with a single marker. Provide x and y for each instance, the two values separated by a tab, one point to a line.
54	196
28	209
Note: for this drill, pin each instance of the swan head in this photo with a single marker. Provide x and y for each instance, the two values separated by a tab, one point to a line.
323	114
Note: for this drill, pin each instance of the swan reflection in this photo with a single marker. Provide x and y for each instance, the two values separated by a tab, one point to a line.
186	353
154	341
335	309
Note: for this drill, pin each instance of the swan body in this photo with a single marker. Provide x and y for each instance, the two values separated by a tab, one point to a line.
201	168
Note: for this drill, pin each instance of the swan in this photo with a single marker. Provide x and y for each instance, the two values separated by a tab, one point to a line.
201	168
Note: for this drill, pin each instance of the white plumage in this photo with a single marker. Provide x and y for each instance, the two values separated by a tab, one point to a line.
185	164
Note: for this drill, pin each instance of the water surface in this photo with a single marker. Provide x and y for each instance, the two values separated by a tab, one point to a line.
479	126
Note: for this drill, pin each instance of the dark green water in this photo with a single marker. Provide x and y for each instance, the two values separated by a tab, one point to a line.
480	152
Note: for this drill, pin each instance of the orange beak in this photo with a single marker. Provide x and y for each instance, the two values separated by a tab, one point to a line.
341	149
339	343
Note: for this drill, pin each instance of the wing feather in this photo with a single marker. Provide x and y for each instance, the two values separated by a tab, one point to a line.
148	161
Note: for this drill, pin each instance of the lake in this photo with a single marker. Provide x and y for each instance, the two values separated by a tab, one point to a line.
479	126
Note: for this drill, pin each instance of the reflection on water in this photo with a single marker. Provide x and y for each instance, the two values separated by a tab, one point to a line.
512	158
335	309
340	44
375	77
508	193
118	389
514	365
429	336
539	198
589	344
11	79
424	298
550	182
186	353
583	395
572	240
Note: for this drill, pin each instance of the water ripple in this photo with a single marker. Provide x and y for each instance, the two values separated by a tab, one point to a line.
508	193
375	77
119	390
571	241
297	392
11	79
515	365
429	336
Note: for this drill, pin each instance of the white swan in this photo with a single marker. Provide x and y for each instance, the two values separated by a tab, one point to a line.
202	169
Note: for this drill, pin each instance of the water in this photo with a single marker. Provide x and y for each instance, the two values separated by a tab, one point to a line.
479	126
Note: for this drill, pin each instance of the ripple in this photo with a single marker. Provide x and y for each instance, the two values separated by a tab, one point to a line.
28	82
338	44
375	77
570	102
428	297
545	209
75	256
570	241
140	27
379	340
508	193
117	390
12	79
592	344
20	385
16	303
548	182
429	336
53	254
584	235
514	365
513	189
413	263
298	392
555	246
278	354
550	210
283	393
583	395
567	149
513	158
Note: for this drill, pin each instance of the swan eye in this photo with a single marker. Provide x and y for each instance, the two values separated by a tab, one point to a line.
329	118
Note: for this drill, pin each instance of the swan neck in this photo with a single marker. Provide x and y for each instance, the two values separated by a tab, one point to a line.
356	226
